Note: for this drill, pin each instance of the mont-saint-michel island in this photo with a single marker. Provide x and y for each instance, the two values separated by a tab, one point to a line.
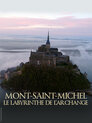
47	70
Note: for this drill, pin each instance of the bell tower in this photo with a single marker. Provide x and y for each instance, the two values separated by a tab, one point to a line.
48	42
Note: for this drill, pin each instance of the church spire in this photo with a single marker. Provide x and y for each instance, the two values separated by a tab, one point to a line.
48	42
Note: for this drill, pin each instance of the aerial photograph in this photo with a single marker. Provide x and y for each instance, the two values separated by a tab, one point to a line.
46	61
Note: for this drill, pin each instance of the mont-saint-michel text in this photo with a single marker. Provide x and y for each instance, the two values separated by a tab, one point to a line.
43	98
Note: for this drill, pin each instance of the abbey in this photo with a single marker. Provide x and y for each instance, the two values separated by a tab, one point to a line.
45	55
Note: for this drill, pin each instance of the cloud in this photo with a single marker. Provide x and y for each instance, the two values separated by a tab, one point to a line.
68	25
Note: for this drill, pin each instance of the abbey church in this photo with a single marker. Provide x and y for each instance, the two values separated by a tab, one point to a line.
45	55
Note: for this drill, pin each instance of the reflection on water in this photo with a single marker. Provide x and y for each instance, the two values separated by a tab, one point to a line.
12	53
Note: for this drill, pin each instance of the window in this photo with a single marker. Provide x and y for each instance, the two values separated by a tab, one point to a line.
38	62
49	62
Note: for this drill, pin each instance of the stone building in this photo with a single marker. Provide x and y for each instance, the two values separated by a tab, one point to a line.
45	55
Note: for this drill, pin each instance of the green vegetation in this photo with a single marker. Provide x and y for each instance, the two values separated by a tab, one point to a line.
45	78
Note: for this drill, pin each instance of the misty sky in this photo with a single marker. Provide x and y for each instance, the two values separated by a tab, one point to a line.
35	17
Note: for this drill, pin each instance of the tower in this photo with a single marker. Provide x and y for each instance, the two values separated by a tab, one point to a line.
48	42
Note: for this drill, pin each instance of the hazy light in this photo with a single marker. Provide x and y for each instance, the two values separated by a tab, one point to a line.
43	15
